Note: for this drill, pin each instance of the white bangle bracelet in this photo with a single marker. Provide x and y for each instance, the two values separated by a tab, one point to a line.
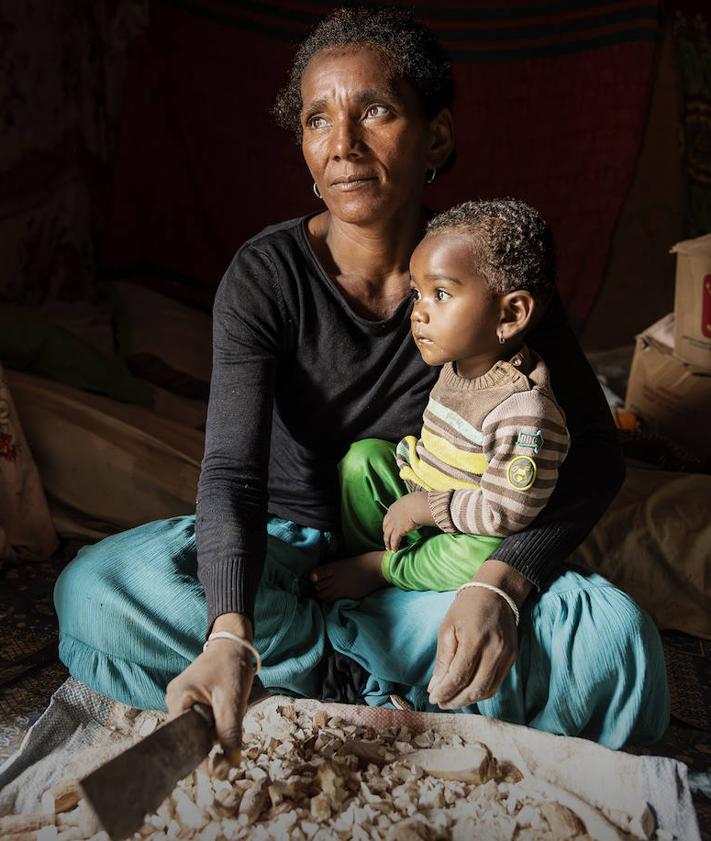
505	596
226	635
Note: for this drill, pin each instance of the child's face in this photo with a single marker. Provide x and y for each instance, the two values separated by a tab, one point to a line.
455	317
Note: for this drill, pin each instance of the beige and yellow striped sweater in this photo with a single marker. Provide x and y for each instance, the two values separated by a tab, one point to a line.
490	447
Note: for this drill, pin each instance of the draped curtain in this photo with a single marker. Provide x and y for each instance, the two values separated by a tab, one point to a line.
62	70
692	41
551	99
163	179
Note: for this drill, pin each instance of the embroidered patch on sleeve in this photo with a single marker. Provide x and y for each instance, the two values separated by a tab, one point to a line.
530	439
521	473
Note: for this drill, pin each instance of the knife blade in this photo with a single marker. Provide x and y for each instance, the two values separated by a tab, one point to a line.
134	783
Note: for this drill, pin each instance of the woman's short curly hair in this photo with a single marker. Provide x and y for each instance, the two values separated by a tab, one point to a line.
513	245
410	49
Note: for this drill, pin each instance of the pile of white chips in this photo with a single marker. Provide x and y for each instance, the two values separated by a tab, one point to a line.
307	777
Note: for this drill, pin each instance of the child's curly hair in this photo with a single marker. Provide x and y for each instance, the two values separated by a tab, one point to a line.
513	244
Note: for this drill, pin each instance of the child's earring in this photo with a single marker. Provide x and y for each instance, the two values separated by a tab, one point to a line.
502	340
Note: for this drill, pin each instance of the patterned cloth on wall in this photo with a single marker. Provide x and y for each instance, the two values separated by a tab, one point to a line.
692	41
550	106
62	68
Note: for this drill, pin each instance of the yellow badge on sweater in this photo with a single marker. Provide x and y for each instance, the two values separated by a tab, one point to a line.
521	473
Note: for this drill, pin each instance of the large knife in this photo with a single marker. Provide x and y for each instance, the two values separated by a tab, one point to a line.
133	784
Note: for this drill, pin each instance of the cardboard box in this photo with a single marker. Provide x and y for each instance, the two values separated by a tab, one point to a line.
692	301
671	396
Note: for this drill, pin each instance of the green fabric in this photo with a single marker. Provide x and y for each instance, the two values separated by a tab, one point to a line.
428	559
30	342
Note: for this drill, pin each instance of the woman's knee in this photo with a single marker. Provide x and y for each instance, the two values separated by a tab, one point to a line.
603	655
645	649
639	706
131	575
77	589
607	624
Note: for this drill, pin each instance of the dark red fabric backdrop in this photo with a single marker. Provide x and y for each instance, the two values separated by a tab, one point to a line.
551	100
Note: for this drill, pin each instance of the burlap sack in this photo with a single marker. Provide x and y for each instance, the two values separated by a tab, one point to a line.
26	529
108	466
653	543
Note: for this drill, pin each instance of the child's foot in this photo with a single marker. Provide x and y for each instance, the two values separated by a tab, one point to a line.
349	578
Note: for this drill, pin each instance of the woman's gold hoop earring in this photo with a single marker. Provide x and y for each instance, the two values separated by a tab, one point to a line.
502	340
430	178
316	192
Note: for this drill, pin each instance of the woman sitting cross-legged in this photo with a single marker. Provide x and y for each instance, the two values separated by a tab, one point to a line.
312	352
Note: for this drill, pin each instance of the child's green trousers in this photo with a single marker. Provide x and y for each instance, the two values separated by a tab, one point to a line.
427	558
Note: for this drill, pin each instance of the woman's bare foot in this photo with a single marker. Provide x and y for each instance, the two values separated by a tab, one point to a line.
349	578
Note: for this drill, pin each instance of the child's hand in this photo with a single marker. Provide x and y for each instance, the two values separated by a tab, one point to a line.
405	514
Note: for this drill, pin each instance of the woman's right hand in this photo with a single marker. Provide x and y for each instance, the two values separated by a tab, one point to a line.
220	677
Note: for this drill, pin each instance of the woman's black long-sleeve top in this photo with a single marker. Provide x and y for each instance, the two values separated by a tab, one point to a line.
297	377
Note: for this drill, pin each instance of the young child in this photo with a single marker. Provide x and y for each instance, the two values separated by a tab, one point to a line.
493	436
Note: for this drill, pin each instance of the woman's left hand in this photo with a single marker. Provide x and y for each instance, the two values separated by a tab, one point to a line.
478	641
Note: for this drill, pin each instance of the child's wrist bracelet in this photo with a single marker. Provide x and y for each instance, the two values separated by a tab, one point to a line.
505	596
226	635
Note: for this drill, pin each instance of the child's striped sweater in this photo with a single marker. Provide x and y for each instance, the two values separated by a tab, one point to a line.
490	447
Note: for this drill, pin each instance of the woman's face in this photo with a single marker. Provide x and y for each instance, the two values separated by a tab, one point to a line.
366	138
